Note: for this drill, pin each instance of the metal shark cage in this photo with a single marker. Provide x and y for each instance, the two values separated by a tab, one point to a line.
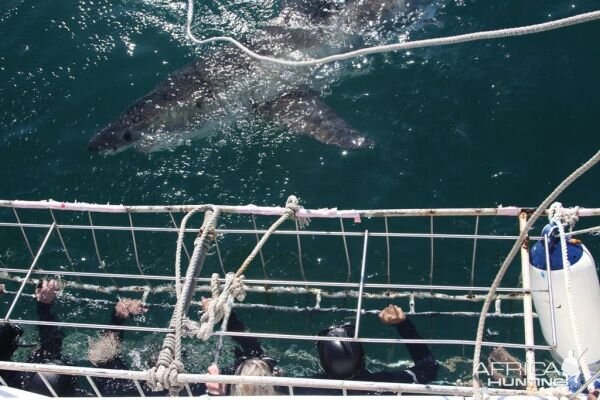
365	261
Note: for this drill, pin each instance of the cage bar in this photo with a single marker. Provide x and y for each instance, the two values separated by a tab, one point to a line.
35	260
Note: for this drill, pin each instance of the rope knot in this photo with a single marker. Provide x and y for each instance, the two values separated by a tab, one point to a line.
220	306
293	205
564	216
165	377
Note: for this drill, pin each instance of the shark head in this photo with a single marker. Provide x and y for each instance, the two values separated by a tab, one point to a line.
129	129
114	138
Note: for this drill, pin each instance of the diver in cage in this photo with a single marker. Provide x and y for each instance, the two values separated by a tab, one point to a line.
343	360
250	360
10	334
105	351
48	350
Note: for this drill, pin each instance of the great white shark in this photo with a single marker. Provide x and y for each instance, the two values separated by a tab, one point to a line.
223	83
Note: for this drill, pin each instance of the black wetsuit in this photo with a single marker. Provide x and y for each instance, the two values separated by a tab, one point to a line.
424	370
50	337
8	345
49	349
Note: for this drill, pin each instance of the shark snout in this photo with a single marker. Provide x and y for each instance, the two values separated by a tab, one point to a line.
110	140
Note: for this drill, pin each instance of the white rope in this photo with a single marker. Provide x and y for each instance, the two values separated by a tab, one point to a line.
594	230
169	365
511	255
469	37
561	217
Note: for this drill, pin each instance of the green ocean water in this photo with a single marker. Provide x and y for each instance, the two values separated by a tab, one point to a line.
473	125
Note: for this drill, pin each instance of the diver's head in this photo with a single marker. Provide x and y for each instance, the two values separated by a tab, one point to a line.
254	367
104	349
340	359
9	339
61	384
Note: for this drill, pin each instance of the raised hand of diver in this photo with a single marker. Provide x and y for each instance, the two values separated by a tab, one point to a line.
392	315
128	307
214	388
46	291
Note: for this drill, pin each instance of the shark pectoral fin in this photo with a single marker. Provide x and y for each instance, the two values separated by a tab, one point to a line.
307	114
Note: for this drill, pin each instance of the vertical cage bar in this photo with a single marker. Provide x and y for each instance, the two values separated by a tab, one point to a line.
93	385
48	385
473	256
346	250
527	309
188	389
431	254
61	238
361	286
177	227
291	390
260	253
23	232
139	388
101	263
388	251
219	256
299	251
550	293
135	250
35	260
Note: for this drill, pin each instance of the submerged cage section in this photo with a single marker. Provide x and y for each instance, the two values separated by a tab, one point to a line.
437	264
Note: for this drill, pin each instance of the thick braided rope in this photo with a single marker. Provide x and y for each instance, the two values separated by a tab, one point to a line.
511	255
180	237
469	37
169	365
570	303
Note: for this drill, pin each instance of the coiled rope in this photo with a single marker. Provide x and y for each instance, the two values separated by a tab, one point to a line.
511	255
562	217
469	37
169	365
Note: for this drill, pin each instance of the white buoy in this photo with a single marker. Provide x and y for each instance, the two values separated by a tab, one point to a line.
585	290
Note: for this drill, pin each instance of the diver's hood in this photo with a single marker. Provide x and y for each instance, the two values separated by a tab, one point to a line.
340	359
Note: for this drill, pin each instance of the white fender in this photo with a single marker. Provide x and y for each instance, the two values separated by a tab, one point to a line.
586	297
